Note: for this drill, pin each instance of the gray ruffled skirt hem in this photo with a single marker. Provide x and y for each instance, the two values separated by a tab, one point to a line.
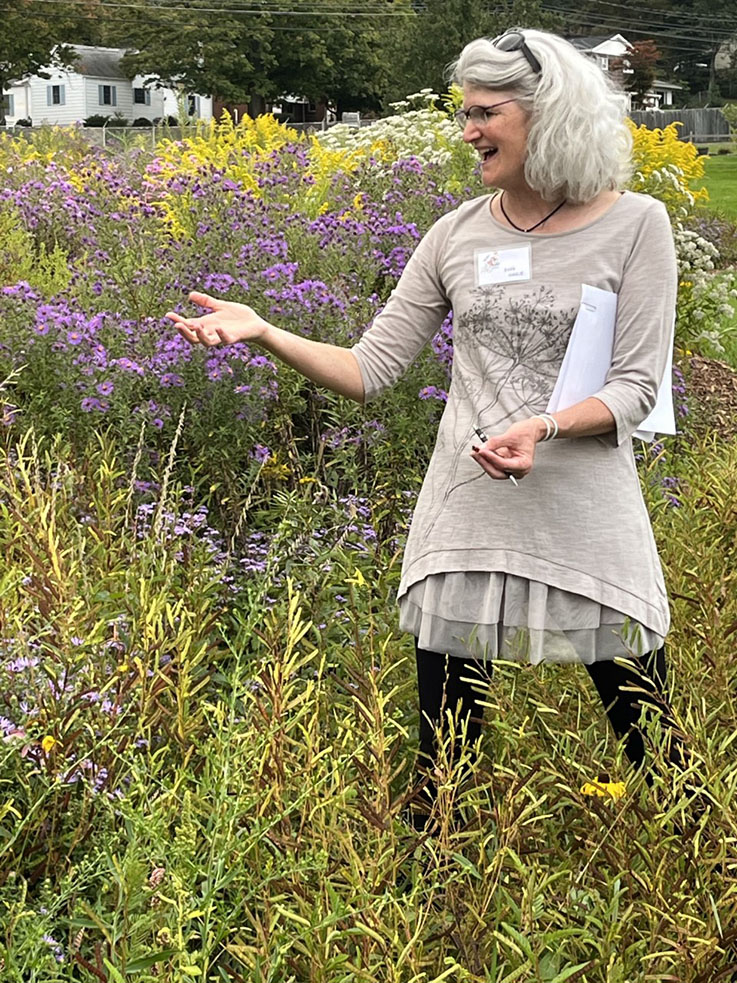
483	615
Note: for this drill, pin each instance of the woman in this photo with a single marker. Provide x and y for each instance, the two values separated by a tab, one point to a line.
558	564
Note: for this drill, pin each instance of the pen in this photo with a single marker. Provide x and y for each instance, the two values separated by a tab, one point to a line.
482	436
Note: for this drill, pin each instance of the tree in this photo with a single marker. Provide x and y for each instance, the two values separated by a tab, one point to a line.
326	50
639	66
345	59
187	44
443	27
31	38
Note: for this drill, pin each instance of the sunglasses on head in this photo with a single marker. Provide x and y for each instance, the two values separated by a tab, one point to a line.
514	40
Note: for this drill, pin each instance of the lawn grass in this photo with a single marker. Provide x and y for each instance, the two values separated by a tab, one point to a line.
720	179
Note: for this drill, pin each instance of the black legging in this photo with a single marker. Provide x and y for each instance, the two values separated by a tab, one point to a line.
441	689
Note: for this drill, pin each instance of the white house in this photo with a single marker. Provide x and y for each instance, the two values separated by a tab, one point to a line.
606	49
94	85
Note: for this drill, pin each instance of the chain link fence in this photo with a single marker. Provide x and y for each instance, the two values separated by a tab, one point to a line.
123	137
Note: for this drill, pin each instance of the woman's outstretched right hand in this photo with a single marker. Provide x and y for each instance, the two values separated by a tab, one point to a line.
226	323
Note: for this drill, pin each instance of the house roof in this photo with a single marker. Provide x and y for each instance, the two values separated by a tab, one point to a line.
593	42
98	62
589	43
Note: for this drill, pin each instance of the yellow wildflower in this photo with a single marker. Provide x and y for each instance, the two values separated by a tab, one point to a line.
48	743
672	166
273	467
605	790
358	579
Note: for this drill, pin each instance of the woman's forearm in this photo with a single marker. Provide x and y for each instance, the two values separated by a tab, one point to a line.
589	418
326	365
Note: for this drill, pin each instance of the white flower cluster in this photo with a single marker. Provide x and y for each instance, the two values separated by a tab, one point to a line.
656	184
693	251
418	130
705	297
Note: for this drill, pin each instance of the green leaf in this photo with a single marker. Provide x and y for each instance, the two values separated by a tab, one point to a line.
568	973
145	961
114	974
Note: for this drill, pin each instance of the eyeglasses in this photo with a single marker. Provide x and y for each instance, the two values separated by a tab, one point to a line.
515	41
478	115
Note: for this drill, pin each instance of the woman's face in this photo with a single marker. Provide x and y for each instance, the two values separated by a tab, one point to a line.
502	140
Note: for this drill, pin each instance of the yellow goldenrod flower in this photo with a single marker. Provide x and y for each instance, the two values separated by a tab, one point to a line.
273	467
48	743
358	579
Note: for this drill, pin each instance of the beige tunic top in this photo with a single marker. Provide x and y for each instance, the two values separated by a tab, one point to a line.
575	532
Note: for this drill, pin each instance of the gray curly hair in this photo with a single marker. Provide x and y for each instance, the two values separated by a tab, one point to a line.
579	143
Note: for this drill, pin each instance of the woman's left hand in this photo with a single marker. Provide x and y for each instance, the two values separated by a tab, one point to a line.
513	452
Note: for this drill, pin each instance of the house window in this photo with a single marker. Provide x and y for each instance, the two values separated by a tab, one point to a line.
9	105
193	105
55	95
142	97
107	95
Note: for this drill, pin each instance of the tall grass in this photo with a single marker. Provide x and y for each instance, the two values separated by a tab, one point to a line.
237	811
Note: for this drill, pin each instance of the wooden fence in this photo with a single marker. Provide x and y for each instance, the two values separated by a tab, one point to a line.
699	125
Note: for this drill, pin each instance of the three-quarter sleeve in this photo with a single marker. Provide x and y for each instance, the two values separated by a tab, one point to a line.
644	326
413	314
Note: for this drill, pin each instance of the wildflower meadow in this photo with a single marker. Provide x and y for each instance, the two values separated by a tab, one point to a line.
207	713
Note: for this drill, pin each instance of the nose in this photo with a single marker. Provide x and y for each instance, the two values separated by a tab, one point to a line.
471	131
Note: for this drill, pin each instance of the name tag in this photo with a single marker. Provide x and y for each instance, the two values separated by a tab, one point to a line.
502	265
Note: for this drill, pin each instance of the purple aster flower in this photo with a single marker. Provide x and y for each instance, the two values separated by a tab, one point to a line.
90	404
169	379
432	392
9	413
260	453
21	663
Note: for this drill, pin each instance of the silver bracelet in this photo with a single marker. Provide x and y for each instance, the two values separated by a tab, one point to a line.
551	425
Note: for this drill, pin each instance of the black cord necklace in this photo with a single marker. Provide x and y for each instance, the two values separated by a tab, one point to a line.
532	227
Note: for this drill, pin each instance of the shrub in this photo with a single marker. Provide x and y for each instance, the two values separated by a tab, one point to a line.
720	230
45	269
667	168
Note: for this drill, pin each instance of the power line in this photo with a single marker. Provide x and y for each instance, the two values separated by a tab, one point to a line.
663	31
679	15
273	12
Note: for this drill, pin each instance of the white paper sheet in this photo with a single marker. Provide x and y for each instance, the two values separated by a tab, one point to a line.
588	359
